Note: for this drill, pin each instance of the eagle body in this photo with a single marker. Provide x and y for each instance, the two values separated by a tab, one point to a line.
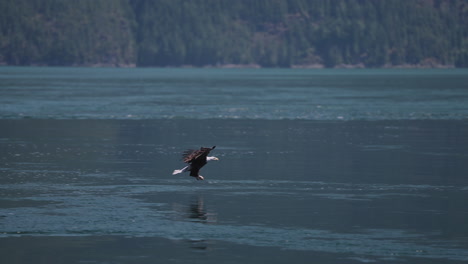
195	159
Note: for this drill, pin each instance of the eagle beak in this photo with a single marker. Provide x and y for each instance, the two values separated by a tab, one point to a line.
215	158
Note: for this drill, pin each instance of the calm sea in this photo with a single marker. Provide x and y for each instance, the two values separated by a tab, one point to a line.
316	166
276	94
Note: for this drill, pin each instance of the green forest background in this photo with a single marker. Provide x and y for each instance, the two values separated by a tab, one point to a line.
263	33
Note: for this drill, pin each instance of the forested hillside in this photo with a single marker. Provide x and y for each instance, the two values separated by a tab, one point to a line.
267	33
60	32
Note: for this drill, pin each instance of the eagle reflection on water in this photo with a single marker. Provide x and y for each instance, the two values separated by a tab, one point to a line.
198	213
195	212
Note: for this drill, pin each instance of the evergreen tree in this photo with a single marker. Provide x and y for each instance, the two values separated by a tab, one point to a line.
271	33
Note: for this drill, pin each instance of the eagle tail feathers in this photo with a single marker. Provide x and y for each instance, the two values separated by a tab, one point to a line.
180	171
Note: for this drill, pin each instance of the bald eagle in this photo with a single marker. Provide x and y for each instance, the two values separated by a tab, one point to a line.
196	160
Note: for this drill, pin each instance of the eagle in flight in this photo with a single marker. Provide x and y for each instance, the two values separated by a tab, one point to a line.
195	159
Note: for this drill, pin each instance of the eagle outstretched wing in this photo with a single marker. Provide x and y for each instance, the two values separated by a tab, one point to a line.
192	155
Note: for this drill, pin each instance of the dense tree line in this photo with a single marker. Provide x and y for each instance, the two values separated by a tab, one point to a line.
60	32
269	33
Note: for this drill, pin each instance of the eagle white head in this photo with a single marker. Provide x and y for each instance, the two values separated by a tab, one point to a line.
211	158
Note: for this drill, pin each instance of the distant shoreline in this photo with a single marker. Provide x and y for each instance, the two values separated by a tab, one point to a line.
252	66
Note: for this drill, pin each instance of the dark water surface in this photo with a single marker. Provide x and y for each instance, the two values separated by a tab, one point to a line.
316	166
298	191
